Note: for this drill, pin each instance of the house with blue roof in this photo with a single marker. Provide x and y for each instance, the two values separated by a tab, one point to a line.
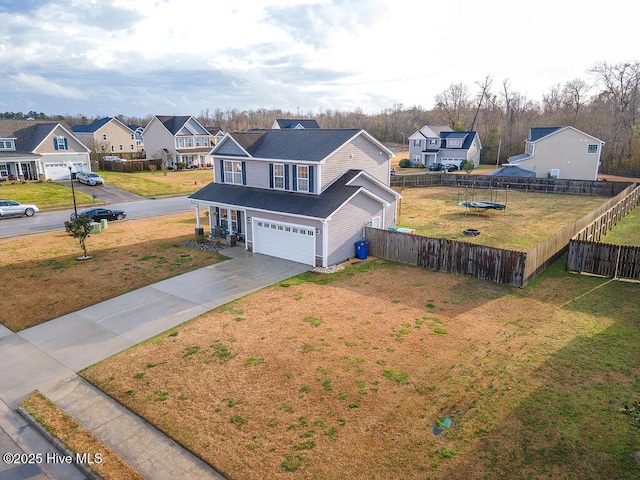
300	194
433	144
559	152
107	135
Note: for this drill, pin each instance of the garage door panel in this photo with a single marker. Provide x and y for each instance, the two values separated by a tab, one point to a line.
284	240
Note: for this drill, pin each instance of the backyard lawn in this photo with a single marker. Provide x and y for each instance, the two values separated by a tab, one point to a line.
389	371
528	219
43	280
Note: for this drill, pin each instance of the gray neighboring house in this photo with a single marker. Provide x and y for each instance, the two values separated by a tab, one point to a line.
288	123
177	139
300	194
560	152
437	144
35	150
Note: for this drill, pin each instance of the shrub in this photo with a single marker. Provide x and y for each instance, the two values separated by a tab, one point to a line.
404	163
463	164
421	165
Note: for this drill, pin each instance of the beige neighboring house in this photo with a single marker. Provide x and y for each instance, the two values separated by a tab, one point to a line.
107	135
177	139
559	152
40	150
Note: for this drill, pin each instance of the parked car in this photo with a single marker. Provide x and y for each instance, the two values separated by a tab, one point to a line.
450	167
111	158
99	213
90	178
436	167
11	208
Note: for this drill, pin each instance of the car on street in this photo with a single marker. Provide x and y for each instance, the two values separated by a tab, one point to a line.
100	213
90	178
11	208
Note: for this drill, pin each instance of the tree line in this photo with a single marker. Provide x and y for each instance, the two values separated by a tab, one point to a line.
606	105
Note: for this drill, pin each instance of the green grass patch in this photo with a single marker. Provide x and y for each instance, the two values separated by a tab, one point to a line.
398	376
46	195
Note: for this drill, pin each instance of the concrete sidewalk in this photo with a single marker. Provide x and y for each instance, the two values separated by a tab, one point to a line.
46	357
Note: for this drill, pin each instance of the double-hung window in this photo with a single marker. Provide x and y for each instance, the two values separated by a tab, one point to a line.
61	143
233	172
278	176
592	148
303	178
179	142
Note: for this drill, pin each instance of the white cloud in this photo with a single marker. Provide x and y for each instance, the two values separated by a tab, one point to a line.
38	84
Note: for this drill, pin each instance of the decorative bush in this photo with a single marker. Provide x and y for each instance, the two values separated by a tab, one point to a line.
404	163
421	165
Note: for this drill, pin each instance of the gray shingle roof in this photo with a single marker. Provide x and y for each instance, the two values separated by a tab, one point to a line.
173	124
292	123
317	206
92	127
468	138
305	145
28	133
513	172
536	133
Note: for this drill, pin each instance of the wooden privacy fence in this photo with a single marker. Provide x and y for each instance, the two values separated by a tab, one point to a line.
542	185
487	263
587	255
502	266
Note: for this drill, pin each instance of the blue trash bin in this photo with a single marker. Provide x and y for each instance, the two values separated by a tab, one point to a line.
362	249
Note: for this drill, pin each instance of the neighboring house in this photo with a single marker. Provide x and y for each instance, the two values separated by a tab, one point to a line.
216	134
107	135
137	135
177	140
435	144
34	150
560	152
304	195
292	123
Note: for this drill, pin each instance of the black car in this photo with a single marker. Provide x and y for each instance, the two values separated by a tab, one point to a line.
436	167
99	213
450	167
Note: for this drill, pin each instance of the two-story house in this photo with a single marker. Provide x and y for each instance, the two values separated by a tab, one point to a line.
107	135
300	194
34	150
180	139
432	144
558	152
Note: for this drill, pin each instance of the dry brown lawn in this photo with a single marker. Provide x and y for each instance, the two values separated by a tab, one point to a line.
529	218
43	280
346	380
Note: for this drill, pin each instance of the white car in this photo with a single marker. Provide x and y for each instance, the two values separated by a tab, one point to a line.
11	208
90	178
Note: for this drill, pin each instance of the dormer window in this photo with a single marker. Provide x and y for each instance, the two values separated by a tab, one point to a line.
303	178
453	143
7	145
278	176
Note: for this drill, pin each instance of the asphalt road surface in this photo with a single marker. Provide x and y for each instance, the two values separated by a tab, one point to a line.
134	208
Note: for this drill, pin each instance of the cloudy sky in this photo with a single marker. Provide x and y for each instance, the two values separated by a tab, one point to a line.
181	57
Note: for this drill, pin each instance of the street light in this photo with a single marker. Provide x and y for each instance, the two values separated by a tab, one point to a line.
73	192
402	133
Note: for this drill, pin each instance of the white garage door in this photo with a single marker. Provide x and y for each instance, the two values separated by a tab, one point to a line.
284	240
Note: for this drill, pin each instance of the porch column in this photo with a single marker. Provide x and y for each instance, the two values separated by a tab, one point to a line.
325	243
20	175
199	230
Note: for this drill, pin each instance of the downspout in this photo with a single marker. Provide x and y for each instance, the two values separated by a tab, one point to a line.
325	244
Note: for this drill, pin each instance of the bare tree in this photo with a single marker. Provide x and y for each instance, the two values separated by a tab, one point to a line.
453	105
485	86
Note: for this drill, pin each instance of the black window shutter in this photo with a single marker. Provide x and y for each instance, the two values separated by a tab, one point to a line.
294	177
286	177
271	175
66	144
221	171
244	173
311	188
55	143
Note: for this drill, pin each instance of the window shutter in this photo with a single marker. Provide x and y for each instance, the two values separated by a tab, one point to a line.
66	144
311	170
221	171
286	177
294	177
55	143
217	215
244	173
271	175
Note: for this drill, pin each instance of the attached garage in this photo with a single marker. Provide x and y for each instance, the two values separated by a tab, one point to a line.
284	240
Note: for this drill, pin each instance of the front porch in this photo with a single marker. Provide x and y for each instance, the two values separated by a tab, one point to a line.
19	170
225	224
